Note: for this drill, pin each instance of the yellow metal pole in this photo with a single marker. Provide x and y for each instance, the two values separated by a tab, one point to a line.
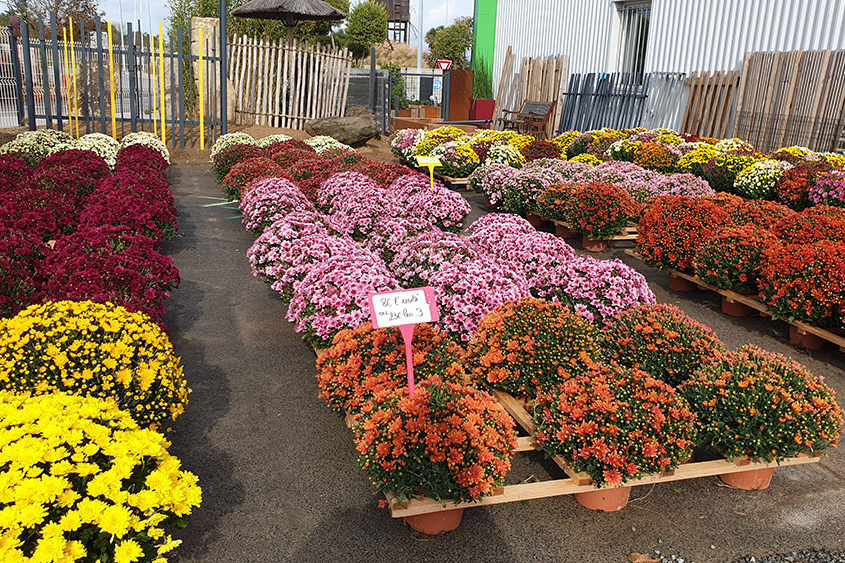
73	75
202	101
67	83
161	74
155	83
111	83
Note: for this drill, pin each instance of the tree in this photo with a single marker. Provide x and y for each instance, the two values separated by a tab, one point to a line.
451	43
181	12
367	27
79	10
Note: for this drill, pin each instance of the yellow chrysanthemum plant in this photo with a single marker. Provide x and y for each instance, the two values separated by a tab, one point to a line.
93	349
81	481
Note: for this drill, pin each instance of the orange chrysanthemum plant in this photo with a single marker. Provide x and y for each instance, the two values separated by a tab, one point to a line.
600	210
447	441
615	424
365	360
763	405
660	340
527	344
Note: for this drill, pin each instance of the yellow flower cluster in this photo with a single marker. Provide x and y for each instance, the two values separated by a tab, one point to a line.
93	349
587	158
565	138
669	139
835	160
79	479
450	132
693	161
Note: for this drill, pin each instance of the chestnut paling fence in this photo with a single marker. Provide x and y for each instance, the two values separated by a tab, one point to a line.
174	86
284	84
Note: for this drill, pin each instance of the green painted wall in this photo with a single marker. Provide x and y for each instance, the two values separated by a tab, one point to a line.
484	22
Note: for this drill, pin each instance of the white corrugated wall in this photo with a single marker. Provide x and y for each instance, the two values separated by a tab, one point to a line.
581	29
691	35
685	35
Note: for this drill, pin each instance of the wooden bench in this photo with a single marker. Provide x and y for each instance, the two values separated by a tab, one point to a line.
532	119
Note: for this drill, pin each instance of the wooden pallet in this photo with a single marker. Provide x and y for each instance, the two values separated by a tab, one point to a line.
754	303
630	232
576	482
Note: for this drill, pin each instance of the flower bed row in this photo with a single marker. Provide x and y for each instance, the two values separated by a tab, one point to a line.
792	260
640	165
522	314
87	375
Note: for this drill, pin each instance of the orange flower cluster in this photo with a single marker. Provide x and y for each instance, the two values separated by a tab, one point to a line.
805	282
821	222
674	228
615	423
655	156
364	361
793	187
732	258
528	344
661	340
760	212
600	210
763	405
446	441
551	202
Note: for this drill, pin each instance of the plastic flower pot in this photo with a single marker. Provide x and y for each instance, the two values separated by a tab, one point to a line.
606	500
536	220
735	308
594	245
807	341
564	232
752	480
680	284
436	523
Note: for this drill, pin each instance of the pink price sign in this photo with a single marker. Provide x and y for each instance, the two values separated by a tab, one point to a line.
404	308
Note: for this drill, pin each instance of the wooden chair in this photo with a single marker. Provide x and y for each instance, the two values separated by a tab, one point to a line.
532	119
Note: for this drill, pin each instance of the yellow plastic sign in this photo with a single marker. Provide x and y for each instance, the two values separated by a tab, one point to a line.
431	163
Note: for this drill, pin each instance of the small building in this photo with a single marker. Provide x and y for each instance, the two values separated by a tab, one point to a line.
642	36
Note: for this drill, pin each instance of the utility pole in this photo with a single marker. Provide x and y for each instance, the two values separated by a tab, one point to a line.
420	31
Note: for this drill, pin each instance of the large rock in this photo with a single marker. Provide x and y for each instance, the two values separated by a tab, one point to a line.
356	128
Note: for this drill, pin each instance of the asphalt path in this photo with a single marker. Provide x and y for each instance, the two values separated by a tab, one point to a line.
279	473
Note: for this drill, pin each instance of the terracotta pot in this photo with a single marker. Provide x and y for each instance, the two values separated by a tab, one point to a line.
807	341
751	480
404	113
564	232
735	308
436	522
431	112
594	245
535	220
681	285
489	205
606	500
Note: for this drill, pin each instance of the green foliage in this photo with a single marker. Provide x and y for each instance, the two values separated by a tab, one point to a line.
451	43
181	12
367	27
482	85
397	90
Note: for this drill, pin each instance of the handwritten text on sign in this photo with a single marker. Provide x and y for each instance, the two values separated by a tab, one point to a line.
397	308
404	308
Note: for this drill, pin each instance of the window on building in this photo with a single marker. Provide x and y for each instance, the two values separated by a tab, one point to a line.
635	18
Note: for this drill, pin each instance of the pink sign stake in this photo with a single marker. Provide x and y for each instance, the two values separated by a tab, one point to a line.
404	308
408	336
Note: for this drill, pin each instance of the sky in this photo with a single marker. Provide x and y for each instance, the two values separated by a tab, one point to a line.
435	12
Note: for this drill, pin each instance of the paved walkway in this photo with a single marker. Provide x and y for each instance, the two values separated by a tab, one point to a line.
280	479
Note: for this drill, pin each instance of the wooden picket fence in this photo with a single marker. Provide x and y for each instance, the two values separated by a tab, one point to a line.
710	103
284	84
792	98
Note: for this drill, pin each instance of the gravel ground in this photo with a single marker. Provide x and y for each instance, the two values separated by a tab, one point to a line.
279	473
